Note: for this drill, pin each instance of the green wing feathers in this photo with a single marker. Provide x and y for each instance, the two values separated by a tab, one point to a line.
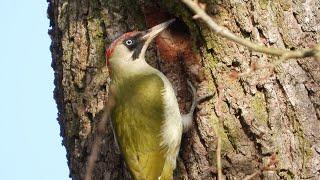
137	117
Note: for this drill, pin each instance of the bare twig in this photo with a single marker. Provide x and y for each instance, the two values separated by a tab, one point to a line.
200	13
93	157
219	166
270	166
270	66
96	145
255	67
101	129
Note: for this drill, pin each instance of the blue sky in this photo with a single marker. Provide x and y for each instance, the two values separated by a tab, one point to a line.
29	132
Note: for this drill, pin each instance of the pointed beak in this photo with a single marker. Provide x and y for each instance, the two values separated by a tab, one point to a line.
150	34
154	31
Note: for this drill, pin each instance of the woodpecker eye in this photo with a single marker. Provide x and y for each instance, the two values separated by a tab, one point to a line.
129	42
133	43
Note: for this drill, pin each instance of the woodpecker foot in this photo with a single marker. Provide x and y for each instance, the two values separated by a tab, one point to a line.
187	118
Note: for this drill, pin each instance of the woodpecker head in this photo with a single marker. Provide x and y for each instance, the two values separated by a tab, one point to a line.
130	48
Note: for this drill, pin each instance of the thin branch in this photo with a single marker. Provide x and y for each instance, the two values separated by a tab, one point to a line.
199	10
219	165
270	166
93	157
101	129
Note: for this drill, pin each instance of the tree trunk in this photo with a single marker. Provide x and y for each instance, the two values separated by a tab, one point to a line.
255	115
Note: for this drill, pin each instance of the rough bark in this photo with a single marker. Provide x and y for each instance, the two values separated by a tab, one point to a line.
256	116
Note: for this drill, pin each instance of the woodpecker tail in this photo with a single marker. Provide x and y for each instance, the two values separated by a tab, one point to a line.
187	118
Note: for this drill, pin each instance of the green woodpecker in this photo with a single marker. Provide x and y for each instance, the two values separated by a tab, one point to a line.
145	117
